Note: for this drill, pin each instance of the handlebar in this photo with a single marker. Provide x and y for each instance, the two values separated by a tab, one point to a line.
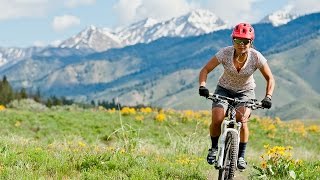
252	103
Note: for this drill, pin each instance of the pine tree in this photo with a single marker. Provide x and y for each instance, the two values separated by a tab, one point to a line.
56	101
49	103
37	96
66	101
23	93
93	103
6	91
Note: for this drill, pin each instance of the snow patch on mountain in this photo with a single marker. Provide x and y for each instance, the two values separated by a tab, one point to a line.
135	32
194	23
10	56
92	37
280	17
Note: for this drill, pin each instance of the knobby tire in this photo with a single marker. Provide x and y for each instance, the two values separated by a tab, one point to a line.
230	157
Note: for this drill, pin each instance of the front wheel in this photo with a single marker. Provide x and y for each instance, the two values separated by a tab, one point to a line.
230	157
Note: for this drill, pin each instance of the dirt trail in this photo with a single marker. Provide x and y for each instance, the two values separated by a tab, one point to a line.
213	175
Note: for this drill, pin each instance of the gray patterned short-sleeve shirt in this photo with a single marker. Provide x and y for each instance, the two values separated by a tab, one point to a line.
242	80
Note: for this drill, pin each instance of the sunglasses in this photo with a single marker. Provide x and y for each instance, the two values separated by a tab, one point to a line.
243	41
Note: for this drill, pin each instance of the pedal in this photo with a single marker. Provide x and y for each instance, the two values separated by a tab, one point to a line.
216	165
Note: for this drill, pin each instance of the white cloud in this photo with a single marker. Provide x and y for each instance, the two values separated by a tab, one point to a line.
55	43
165	9
22	8
61	23
129	11
305	6
234	11
76	3
11	9
39	43
125	10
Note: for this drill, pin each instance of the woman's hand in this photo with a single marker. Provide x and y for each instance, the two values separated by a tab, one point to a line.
266	102
203	91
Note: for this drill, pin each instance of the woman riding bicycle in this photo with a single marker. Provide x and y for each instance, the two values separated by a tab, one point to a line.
239	61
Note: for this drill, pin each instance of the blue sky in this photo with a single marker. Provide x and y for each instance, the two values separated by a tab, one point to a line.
26	23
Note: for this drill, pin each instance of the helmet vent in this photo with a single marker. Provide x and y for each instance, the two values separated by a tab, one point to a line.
243	30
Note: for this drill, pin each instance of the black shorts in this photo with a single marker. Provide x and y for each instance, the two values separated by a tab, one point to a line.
241	95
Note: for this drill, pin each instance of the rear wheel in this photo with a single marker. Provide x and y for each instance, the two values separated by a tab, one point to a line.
230	157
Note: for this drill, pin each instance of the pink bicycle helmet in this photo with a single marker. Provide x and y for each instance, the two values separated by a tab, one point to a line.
243	30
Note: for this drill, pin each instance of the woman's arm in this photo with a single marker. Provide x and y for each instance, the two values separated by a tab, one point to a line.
207	69
267	74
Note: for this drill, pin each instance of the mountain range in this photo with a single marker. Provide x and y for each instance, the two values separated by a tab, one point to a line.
94	39
194	23
164	72
280	17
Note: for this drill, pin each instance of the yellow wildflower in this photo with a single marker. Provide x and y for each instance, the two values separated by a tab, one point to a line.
313	128
2	107
81	144
184	160
139	118
146	110
128	111
160	117
113	110
264	164
122	150
17	124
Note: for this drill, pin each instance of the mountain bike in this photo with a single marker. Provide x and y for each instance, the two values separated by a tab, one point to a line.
228	144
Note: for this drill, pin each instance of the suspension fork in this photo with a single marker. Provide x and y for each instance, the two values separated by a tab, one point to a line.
224	130
237	125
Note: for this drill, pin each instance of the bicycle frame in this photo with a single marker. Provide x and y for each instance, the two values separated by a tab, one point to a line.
230	135
227	125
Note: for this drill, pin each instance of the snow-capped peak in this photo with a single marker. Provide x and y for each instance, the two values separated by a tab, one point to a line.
148	22
280	17
204	20
94	38
11	56
191	24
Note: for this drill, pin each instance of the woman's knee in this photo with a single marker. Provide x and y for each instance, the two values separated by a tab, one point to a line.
216	123
243	114
244	125
217	116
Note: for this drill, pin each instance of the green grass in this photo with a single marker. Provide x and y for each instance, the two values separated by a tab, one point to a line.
74	143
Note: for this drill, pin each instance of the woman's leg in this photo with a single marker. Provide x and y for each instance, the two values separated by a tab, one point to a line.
216	120
242	116
215	130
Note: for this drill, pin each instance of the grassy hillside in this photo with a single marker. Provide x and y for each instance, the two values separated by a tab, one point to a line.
302	60
164	73
295	70
303	107
74	143
296	90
